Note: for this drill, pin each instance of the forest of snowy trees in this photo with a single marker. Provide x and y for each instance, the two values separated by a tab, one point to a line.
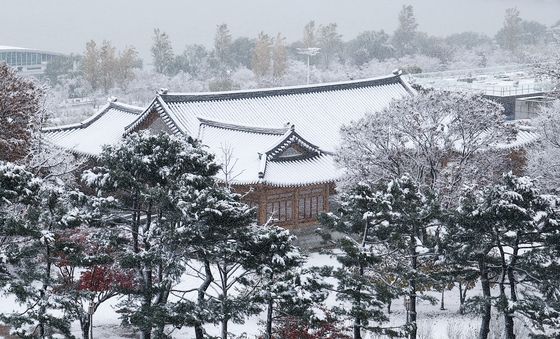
429	203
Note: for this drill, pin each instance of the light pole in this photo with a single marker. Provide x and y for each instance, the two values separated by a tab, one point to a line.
309	51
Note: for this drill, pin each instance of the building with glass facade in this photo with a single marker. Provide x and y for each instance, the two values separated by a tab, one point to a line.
29	61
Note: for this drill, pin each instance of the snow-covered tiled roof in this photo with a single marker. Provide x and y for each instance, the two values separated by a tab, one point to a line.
252	152
317	111
526	135
106	127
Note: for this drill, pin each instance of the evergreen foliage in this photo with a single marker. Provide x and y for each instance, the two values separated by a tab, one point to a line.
151	190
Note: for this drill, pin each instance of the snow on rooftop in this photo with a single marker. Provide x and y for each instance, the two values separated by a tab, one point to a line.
317	111
11	48
248	158
23	49
525	136
106	127
255	127
497	81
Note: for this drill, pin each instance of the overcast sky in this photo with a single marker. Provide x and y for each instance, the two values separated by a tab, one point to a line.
65	25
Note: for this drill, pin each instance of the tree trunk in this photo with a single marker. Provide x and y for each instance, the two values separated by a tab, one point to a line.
146	333
225	311
147	273
90	325
442	304
508	317
162	298
46	284
357	320
389	306
86	325
135	223
198	330
412	285
486	294
225	321
357	332
268	333
510	334
461	300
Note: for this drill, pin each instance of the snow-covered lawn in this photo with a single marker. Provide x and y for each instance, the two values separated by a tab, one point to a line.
433	323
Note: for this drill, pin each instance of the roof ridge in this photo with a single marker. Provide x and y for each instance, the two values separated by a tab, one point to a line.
81	124
290	137
104	109
127	107
282	91
243	128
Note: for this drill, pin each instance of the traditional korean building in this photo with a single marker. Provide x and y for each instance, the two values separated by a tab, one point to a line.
276	145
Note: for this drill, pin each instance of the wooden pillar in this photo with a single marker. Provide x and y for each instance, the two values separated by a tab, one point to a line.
326	198
296	208
261	191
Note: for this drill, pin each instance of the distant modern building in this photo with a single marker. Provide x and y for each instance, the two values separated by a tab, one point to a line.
514	87
529	107
28	61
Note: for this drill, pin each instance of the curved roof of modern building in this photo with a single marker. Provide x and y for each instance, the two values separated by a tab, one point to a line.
23	49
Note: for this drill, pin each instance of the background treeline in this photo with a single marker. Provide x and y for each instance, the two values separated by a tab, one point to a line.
270	60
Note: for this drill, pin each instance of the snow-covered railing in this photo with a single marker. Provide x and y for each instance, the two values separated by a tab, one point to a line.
475	71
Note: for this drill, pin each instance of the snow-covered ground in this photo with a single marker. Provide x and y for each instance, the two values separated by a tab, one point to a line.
433	323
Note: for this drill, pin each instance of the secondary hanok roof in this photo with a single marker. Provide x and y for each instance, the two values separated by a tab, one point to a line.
317	111
526	135
273	156
106	127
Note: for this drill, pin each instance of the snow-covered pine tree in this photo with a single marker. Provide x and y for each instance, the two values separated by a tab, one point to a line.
509	225
225	251
467	246
278	265
240	265
524	218
381	220
33	216
403	216
541	304
18	190
21	110
151	188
